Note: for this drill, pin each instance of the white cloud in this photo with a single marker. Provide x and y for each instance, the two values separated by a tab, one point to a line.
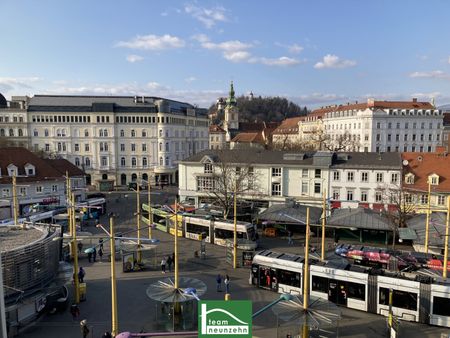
17	85
152	42
434	74
295	48
190	79
238	56
228	46
134	58
333	61
207	16
281	61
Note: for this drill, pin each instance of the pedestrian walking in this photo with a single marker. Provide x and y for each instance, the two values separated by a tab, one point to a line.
80	247
100	243
169	263
227	284
219	282
163	265
290	241
74	311
81	274
100	253
94	254
84	328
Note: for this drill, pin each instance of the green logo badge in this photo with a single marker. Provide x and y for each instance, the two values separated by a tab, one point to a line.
219	318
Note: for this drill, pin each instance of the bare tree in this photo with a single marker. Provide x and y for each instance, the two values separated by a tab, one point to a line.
226	178
345	141
401	207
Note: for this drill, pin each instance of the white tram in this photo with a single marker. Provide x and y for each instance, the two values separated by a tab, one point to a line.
416	297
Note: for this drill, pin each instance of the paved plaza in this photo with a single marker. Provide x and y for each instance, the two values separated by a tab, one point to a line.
137	311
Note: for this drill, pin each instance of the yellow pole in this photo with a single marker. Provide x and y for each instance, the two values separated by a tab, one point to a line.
114	314
391	295
306	272
176	244
69	209
138	220
427	224
150	215
14	191
75	250
444	272
324	214
235	229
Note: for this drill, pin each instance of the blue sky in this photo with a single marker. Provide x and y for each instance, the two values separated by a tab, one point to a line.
312	52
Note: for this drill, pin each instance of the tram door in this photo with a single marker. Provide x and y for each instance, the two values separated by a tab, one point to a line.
337	292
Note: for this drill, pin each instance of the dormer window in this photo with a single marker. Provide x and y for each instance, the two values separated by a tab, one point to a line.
433	179
409	178
12	170
30	170
208	168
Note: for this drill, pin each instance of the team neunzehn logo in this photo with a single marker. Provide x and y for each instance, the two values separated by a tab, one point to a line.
218	318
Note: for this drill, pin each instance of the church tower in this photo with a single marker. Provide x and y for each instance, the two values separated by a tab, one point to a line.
231	111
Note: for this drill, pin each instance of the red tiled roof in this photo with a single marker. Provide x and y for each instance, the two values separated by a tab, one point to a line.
63	166
20	157
289	126
253	137
377	105
216	129
424	164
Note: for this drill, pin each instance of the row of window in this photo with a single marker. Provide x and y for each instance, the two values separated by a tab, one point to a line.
414	125
364	177
406	137
63	119
11	132
276	172
5	118
276	188
23	191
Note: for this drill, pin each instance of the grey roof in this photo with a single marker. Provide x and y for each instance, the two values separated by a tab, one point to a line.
254	156
318	159
290	214
373	160
360	218
108	104
436	232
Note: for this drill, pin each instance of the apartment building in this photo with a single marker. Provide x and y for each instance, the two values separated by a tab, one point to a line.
346	179
116	139
13	122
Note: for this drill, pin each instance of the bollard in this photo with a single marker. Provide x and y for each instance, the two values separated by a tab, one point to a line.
227	296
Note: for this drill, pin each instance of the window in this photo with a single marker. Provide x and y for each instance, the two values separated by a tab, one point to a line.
434	180
54	188
379	177
5	192
39	189
86	147
133	147
397	137
378	125
378	196
46	132
160	146
87	161
276	172
363	196
350	176
336	195
406	125
77	161
103	161
47	147
317	173
389	125
317	187
441	200
167	146
304	188
77	147
400	299
122	133
22	191
144	133
133	133
349	195
364	176
319	284
161	161
208	168
205	183
276	189
441	306
133	162
122	161
35	133
409	178
424	199
144	162
86	133
336	176
413	137
378	138
394	178
305	173
122	147
144	147
356	291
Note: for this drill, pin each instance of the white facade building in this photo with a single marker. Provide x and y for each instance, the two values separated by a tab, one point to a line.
117	138
346	179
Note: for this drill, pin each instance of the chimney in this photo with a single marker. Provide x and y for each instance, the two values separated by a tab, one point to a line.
414	99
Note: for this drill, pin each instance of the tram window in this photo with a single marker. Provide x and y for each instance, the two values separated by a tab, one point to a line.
222	233
356	291
196	229
289	278
441	306
266	276
400	299
319	284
